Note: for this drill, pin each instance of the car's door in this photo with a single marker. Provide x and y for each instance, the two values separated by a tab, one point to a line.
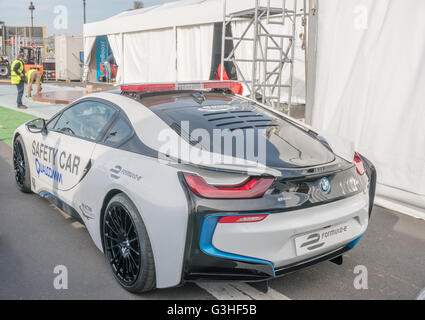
108	158
63	156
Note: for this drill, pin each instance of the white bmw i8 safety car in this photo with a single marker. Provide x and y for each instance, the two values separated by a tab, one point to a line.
183	182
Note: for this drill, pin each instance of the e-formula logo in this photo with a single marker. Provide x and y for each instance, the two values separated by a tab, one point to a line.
313	239
118	171
48	171
312	242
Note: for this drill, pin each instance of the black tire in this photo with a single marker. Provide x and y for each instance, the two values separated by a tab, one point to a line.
127	246
4	71
21	166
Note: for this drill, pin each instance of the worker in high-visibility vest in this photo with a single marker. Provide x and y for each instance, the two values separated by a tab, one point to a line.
18	79
33	76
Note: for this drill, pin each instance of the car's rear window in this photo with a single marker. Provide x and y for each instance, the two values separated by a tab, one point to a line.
200	123
215	112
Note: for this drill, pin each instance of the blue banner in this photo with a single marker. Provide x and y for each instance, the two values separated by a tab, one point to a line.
102	52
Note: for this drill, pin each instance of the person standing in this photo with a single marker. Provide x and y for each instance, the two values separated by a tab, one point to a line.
18	79
33	76
109	62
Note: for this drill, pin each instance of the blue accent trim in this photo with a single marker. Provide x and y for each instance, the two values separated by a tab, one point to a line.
353	243
46	193
207	233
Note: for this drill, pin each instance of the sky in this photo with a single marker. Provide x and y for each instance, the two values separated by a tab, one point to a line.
51	13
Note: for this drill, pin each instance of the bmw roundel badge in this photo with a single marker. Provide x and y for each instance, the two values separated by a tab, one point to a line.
325	185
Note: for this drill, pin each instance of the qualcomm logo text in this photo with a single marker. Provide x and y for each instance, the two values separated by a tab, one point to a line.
47	171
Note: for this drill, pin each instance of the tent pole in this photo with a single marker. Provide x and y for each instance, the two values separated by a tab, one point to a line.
254	51
175	49
122	59
311	59
223	41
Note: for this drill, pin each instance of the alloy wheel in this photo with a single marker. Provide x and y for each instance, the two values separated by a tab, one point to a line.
19	164
122	244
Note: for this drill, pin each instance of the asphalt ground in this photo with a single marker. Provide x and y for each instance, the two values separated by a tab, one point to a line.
35	237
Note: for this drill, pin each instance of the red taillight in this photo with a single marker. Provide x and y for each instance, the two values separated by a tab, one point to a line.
155	87
253	187
359	164
243	218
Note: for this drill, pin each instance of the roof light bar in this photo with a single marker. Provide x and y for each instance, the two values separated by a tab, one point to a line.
148	87
157	87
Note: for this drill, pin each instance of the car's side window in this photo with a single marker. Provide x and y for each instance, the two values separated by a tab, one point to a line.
118	133
52	122
85	120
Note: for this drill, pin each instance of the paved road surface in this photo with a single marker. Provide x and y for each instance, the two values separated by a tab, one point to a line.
35	237
38	109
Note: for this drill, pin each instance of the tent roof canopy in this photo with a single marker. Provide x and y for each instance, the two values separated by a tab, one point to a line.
167	15
178	13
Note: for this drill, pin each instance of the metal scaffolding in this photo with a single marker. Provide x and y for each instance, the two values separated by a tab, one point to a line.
270	33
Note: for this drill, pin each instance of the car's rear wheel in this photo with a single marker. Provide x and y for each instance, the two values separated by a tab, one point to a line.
127	246
21	166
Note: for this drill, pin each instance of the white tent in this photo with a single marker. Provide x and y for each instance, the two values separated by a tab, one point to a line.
370	88
144	41
171	42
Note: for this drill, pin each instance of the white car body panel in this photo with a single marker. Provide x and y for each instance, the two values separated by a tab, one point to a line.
62	153
273	239
159	198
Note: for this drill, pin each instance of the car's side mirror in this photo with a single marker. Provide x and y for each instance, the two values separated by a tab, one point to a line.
37	126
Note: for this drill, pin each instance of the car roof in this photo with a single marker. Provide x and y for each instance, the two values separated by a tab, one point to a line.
156	116
208	110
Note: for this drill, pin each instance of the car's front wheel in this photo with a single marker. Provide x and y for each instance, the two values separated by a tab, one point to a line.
127	246
21	166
